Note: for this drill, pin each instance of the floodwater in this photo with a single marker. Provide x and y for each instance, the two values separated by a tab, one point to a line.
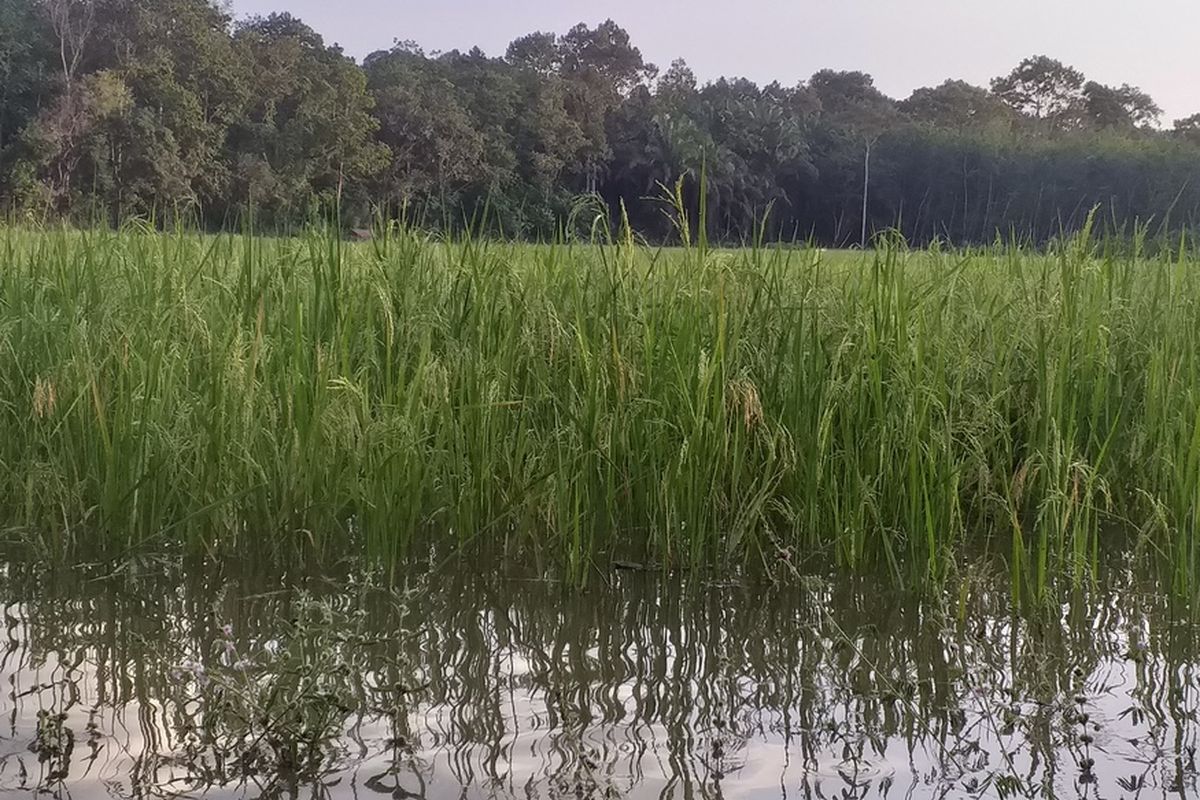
469	682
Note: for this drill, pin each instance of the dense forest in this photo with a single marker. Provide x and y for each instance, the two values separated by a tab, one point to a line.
112	109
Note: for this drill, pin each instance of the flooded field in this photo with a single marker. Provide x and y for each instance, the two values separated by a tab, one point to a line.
461	682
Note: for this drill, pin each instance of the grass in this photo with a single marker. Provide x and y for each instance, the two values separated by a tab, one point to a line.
690	407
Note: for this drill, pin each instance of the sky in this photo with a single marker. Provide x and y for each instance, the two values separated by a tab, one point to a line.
904	44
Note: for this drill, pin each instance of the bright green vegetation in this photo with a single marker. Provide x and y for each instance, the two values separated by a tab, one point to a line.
685	407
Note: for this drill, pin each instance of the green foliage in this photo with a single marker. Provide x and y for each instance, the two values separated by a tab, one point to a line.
1188	127
957	105
1042	88
689	407
846	92
1122	107
119	109
308	129
25	67
140	122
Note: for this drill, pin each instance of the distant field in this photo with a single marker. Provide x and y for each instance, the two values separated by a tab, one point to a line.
680	407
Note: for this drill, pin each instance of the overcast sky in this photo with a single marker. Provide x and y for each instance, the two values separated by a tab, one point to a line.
905	44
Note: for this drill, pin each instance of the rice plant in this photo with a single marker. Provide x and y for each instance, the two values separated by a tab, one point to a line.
583	401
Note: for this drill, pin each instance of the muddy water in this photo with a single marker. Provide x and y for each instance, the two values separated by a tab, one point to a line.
463	683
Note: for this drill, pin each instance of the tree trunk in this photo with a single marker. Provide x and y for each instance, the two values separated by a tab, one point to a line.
866	193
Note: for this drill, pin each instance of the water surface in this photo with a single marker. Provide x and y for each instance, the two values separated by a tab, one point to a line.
468	682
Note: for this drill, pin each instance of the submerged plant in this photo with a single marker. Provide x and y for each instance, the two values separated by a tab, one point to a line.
280	707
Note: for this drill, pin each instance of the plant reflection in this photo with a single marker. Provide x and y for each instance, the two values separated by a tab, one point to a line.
464	683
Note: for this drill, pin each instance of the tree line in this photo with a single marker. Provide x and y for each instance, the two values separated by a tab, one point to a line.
112	109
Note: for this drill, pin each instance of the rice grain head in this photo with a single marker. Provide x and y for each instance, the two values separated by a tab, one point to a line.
45	398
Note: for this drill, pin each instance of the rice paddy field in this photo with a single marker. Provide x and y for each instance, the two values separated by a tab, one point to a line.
594	403
461	518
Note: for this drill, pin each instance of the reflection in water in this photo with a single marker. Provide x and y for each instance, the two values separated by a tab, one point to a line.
643	686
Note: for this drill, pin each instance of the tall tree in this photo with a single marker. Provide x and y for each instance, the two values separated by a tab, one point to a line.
148	92
605	56
852	103
309	131
188	86
73	22
956	105
82	132
1118	107
435	146
538	53
26	66
600	66
1188	127
54	142
1043	88
124	107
